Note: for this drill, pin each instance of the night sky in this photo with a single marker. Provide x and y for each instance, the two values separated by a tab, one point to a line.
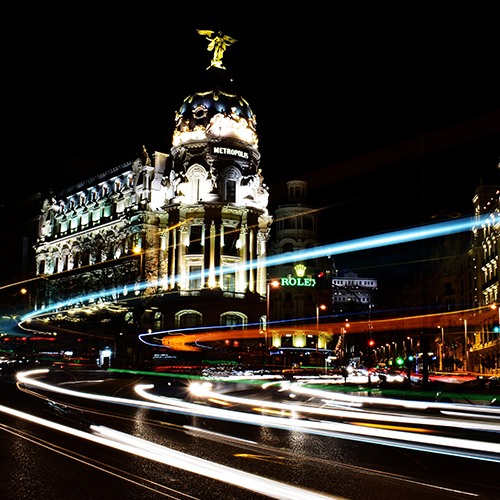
392	117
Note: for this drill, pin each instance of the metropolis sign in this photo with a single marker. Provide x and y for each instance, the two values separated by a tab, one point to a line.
219	150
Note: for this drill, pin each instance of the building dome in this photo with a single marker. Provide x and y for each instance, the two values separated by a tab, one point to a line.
214	115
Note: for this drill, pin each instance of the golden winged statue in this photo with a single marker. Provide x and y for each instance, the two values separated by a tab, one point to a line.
218	43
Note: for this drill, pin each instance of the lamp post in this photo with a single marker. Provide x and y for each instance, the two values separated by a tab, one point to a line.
441	357
466	351
318	307
138	251
274	284
24	291
496	330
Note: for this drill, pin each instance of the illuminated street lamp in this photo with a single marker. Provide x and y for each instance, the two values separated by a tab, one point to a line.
318	307
441	357
274	284
138	251
24	291
496	329
466	347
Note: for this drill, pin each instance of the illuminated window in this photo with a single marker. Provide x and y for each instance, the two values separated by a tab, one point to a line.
158	321
229	282
188	318
195	277
234	320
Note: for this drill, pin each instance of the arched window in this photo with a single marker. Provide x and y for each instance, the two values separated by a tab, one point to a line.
234	320
158	321
188	318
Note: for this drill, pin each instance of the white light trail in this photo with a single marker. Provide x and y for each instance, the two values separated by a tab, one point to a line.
203	391
141	447
366	243
408	440
405	403
399	438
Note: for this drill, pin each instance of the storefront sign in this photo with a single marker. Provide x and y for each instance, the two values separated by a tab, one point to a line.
298	281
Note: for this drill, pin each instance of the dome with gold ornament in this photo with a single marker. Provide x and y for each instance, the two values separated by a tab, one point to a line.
215	115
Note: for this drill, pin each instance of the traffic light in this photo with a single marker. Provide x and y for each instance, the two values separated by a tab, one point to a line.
371	343
400	361
320	281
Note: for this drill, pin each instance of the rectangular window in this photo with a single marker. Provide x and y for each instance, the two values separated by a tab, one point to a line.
230	238
231	191
195	236
229	281
195	278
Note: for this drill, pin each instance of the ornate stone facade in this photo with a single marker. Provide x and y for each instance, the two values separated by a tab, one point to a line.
189	231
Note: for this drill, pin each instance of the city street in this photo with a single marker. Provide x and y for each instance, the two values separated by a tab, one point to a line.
98	434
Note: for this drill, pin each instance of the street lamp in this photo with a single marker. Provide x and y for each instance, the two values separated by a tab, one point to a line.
24	291
318	307
441	357
497	330
466	348
138	251
274	284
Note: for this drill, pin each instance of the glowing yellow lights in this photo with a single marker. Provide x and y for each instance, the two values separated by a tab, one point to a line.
269	411
392	427
137	250
300	269
218	44
219	402
232	126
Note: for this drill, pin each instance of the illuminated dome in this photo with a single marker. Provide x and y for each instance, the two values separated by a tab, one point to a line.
215	114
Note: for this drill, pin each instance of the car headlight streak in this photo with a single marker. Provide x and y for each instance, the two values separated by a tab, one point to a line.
378	435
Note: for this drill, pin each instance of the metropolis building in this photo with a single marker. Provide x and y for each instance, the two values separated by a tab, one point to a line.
167	241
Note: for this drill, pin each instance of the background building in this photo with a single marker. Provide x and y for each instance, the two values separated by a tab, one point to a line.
303	296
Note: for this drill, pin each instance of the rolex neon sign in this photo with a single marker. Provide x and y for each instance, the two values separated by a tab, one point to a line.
299	280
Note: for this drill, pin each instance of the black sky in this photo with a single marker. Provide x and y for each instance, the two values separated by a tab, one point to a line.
361	104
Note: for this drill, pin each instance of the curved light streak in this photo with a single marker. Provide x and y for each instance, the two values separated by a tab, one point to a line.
173	458
490	411
408	440
203	391
356	245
